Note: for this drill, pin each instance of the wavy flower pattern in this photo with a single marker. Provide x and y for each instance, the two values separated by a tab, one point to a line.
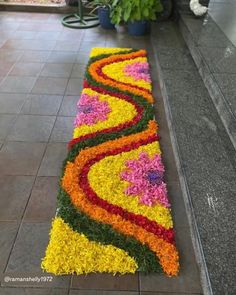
113	210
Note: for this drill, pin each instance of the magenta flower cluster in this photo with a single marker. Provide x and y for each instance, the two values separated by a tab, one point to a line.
145	176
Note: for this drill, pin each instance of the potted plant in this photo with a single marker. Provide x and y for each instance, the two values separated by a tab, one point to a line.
136	13
104	9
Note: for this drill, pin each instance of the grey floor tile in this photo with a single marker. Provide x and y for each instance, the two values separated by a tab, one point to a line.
45	85
35	56
32	128
26	69
67	45
69	106
74	86
82	58
6	122
56	70
164	293
42	203
47	35
10	55
33	291
39	104
11	103
53	159
101	292
17	84
29	248
14	194
106	282
8	231
78	71
23	35
62	130
5	67
62	57
29	44
21	158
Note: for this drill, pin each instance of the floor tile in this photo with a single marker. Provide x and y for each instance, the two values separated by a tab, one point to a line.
8	231
23	35
6	122
33	291
69	106
101	292
5	67
53	159
14	194
17	84
47	35
161	293
21	158
35	56
74	86
82	58
56	70
11	103
62	130
32	128
78	71
62	57
105	282
29	44
67	45
42	203
29	248
45	85
10	55
39	104
26	69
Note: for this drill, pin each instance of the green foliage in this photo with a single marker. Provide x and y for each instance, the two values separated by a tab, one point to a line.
134	10
101	3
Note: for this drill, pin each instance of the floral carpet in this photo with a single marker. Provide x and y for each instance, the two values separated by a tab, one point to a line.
113	209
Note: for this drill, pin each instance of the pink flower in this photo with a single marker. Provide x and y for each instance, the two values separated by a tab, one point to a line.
146	180
91	110
138	70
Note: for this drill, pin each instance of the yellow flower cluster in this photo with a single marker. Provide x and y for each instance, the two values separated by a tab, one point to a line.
121	112
116	72
98	51
69	252
107	172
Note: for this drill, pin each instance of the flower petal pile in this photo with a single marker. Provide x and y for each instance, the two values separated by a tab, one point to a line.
113	209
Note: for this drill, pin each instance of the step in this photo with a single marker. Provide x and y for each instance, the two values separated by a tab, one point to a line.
206	159
215	58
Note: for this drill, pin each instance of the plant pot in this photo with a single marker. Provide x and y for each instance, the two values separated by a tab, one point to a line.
167	10
138	28
104	18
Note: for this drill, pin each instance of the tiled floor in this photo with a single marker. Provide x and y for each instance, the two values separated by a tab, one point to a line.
41	69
